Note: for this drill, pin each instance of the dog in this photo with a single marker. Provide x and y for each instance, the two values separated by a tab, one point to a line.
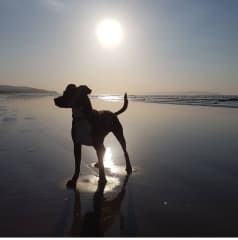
90	127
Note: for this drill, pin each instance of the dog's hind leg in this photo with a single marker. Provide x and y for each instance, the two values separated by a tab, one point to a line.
100	149
118	133
77	157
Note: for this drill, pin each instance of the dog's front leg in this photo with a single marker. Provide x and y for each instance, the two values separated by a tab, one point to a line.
77	158
100	154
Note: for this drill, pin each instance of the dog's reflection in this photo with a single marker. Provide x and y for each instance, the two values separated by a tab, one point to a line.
96	222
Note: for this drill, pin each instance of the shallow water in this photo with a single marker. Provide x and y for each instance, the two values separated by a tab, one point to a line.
184	181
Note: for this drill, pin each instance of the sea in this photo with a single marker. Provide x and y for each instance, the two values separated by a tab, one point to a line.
200	100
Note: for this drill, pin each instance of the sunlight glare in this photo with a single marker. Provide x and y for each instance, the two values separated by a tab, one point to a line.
108	163
110	33
89	183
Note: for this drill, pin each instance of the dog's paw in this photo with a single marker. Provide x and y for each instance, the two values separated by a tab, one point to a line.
71	184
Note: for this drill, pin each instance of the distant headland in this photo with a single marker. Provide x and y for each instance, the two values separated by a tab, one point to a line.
6	89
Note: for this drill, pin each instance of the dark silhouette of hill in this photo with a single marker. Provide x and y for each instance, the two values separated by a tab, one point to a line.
22	89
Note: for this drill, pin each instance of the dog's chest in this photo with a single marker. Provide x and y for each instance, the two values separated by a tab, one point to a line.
82	132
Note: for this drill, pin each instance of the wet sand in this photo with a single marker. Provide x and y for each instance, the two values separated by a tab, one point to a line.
184	181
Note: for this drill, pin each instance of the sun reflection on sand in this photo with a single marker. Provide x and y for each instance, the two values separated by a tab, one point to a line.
108	162
89	183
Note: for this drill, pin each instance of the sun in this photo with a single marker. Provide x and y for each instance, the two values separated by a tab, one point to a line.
109	33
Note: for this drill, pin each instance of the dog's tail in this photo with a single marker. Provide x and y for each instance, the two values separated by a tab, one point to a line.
124	107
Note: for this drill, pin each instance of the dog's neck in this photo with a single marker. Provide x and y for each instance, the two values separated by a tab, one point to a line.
83	110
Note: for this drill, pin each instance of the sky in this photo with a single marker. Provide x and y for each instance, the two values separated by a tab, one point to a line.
168	45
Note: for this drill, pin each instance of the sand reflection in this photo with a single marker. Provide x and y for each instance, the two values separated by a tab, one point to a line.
89	183
108	162
95	222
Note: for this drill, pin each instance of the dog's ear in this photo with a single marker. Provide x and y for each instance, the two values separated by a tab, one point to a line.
69	90
84	89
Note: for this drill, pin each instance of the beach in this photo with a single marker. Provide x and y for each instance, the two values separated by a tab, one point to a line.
184	179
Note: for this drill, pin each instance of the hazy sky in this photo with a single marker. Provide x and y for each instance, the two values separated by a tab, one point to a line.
169	45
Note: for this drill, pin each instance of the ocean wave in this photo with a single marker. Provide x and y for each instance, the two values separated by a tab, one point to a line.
199	100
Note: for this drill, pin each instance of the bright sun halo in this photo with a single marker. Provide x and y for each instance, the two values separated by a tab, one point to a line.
110	33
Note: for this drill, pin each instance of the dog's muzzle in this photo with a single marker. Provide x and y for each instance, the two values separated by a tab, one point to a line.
60	102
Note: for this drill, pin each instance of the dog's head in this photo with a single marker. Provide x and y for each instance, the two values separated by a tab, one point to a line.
84	90
72	96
